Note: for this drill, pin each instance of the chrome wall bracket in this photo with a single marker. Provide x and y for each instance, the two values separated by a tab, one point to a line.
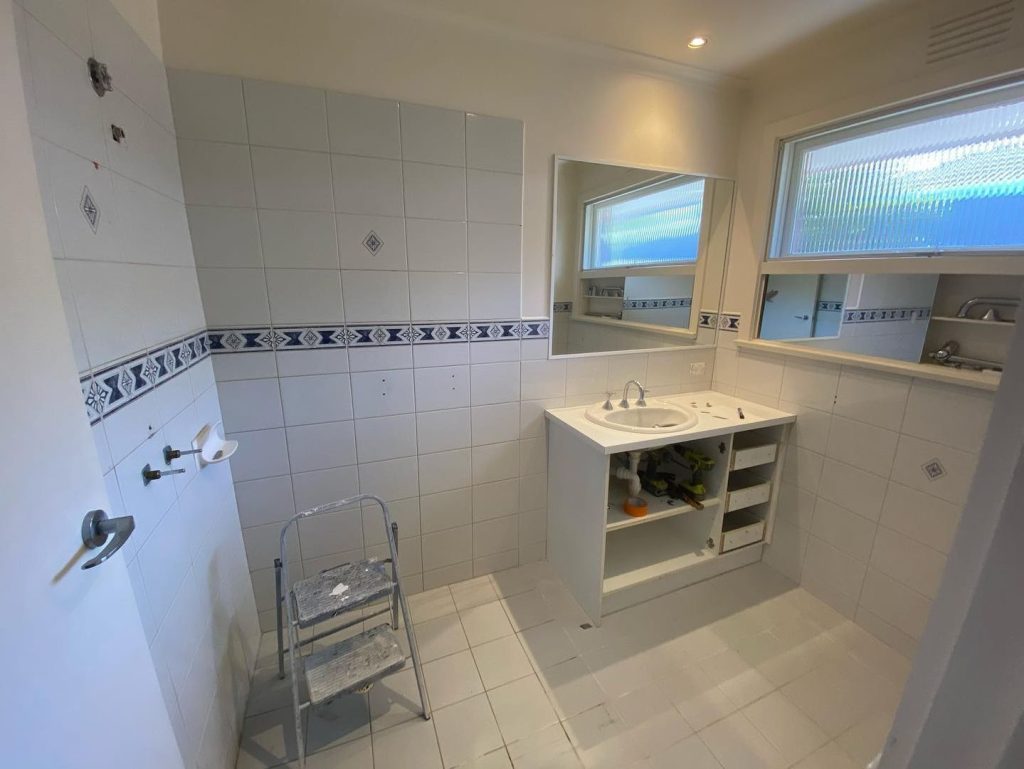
97	527
149	474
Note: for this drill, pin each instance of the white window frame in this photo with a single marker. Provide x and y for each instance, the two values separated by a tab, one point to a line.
957	261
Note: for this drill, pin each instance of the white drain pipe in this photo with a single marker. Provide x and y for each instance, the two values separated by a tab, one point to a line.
631	474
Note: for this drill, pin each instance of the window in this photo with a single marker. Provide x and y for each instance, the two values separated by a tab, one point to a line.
947	178
656	224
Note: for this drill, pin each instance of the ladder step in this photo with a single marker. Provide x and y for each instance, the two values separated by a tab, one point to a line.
352	664
364	581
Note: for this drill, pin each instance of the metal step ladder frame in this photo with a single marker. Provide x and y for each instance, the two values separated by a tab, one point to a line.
397	602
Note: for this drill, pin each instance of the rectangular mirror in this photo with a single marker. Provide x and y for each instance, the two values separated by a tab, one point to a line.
638	257
962	321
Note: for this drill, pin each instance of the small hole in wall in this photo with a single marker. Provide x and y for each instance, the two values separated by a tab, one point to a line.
586	626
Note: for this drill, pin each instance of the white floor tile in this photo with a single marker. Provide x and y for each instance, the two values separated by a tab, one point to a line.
485	623
572	688
452	679
440	637
521	708
737	744
466	730
501	661
406	745
357	754
690	753
782	723
547	645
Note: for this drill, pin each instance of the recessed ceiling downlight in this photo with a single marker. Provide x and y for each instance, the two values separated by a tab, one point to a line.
698	41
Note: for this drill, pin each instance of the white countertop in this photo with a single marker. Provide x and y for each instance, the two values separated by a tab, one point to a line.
718	418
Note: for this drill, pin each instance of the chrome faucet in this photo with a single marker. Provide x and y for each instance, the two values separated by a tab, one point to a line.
641	401
987	301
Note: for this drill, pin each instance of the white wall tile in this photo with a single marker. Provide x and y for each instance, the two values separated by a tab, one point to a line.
354	232
496	423
150	157
260	454
494	143
811	429
533	456
833	569
363	125
922	517
390	479
493	296
852	488
443	430
68	175
913	455
379	393
68	21
495	247
533	492
367	185
495	197
761	374
313	399
433	134
320	487
304	362
532	418
434	191
495	536
292	179
586	375
843	529
386	437
439	295
289	116
495	462
265	501
491	351
862	445
622	368
542	379
216	174
442	387
495	500
321	446
810	383
66	109
298	239
250	404
207	106
225	237
446	548
802	468
444	471
869	396
373	296
321	535
404	512
394	356
234	297
907	561
304	296
446	510
955	416
494	383
894	603
436	245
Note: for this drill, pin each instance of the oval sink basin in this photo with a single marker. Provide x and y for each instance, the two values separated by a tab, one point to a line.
655	417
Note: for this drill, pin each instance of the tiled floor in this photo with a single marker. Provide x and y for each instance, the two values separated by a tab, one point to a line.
745	671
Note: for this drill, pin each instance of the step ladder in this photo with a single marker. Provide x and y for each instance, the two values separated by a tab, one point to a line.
357	662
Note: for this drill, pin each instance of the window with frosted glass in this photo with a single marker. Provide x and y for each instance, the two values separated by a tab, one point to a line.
655	225
946	178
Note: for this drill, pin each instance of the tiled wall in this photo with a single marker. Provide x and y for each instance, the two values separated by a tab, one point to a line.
874	483
420	382
119	234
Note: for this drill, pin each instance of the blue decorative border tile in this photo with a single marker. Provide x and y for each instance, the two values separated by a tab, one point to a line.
830	306
886	314
267	339
657	304
729	321
111	388
561	307
707	319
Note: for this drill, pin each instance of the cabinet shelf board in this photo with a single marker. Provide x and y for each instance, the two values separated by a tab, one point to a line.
658	508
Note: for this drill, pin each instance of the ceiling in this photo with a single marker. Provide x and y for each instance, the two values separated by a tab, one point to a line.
742	33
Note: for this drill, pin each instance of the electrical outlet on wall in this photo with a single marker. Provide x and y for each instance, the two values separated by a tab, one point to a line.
696	369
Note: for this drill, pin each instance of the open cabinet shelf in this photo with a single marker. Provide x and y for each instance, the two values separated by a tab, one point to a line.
658	508
643	553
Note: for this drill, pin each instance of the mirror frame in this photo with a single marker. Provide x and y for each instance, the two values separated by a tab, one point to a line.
688	333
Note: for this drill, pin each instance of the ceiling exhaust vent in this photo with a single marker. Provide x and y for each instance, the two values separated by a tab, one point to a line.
958	29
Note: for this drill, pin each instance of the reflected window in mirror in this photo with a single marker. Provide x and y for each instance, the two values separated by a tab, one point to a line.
635	253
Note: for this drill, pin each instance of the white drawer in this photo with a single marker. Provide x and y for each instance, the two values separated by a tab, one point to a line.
741	537
753	456
748	496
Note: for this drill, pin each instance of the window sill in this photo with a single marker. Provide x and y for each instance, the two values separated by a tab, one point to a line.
976	379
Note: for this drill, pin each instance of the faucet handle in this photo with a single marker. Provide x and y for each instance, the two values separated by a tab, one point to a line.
608	402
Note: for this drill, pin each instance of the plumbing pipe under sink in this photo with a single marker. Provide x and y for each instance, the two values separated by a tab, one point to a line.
631	473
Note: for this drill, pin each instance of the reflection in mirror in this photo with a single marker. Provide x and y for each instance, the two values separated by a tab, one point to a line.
635	253
963	321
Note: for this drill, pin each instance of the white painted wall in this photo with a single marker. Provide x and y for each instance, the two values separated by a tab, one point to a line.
572	105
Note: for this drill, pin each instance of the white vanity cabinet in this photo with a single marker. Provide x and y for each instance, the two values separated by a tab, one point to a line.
610	560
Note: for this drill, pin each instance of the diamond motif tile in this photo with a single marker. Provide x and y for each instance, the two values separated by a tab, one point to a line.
933	469
90	210
373	243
